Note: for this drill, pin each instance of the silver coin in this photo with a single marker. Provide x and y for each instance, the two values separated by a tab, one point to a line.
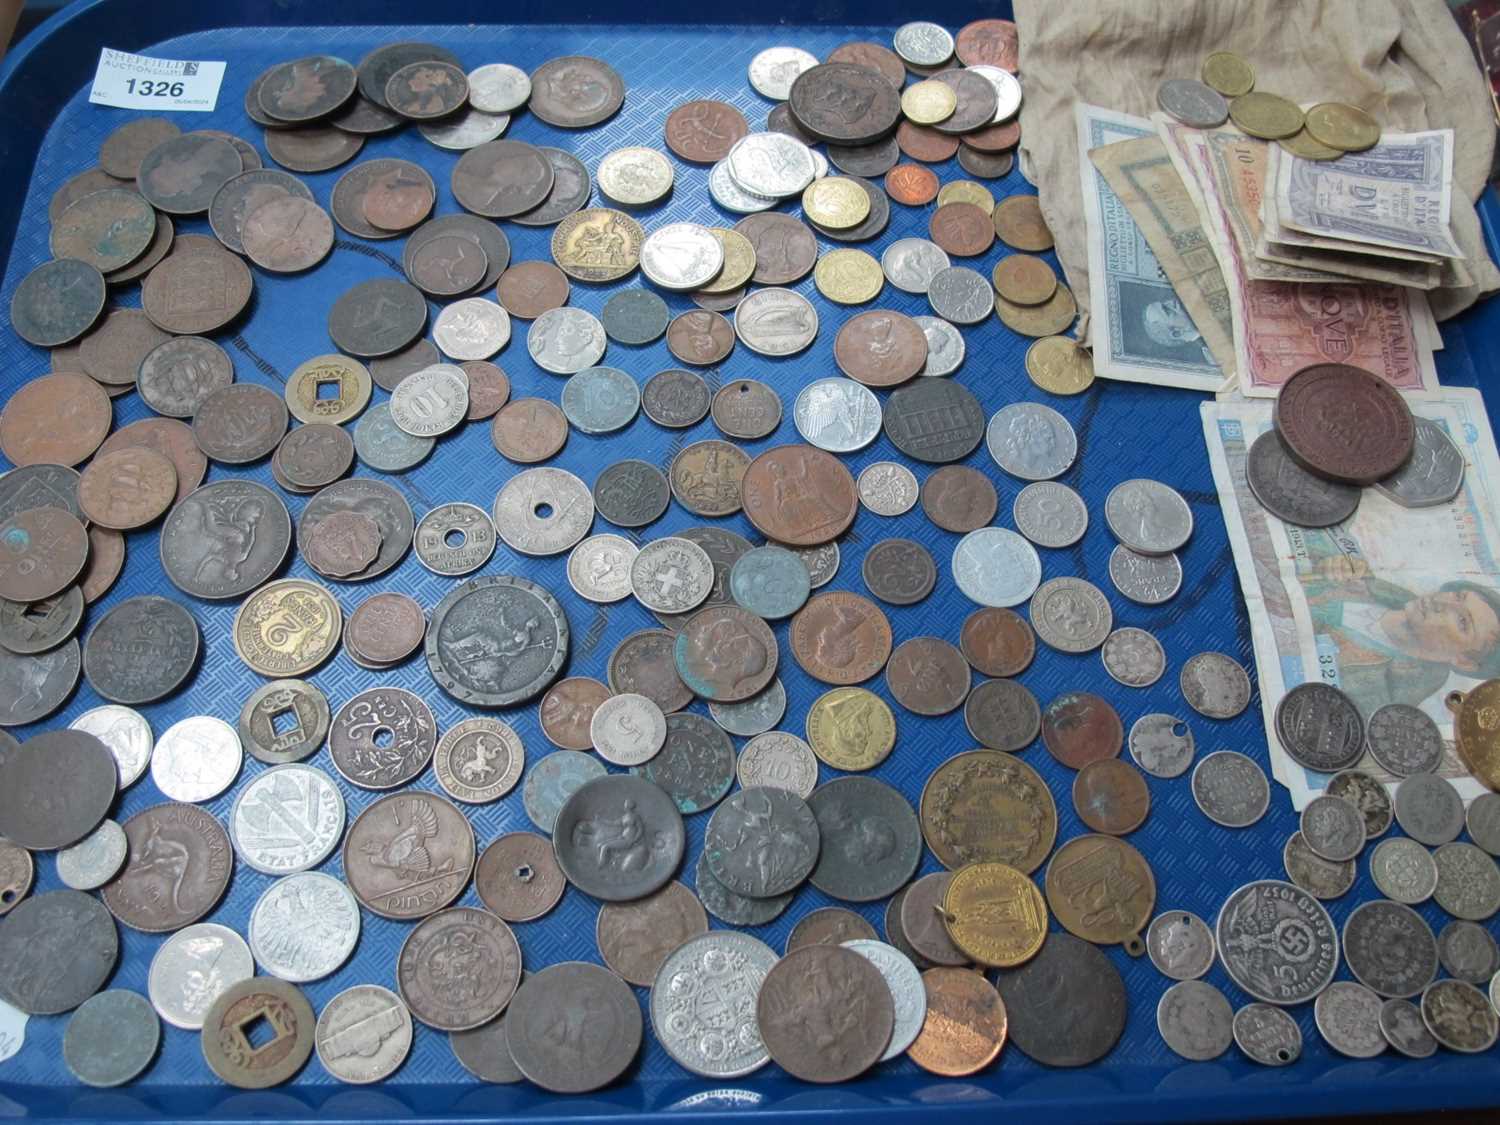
1433	473
1482	821
1180	945
749	717
1267	1035
1333	828
111	1038
1007	89
1145	579
385	446
703	1003
779	760
923	43
837	415
363	1034
1320	727
1468	883
304	926
432	401
635	177
771	164
1031	441
454	539
671	575
600	400
1214	685
1277	942
1429	809
543	511
125	732
961	295
94	860
553	780
1322	878
1161	744
1148	517
996	567
910	263
498	88
1404	740
1231	789
1368	796
287	819
945	346
822	562
196	759
1459	1016
468	128
773	71
1403	870
1069	614
1193	103
1050	514
628	730
775	322
1401	1024
887	488
681	256
1468	952
904	980
1348	1018
474	328
1390	949
599	568
1195	1020
191	969
729	195
1133	657
1291	493
566	340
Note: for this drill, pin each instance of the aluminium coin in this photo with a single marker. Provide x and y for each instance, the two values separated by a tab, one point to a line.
1031	441
960	295
837	415
303	927
543	511
1193	103
94	860
196	759
125	733
287	819
192	967
996	567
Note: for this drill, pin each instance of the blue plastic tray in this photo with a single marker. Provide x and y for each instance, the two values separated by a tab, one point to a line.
1124	430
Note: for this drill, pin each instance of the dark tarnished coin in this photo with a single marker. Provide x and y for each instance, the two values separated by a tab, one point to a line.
141	650
997	642
376	68
1003	715
225	539
179	866
240	423
113	351
785	248
408	855
497	641
830	925
127	489
56	789
312	148
112	1038
736	910
376	318
696	765
425	90
499	179
873	159
1319	727
314	456
179	373
58	950
42	552
874	223
32	687
746	410
57	302
27	628
181	175
899	571
619	837
385	629
39	486
1343	423
977	101
922	920
635	938
458	969
1401	1024
871	841
1067	1005
725	654
1468	952
364	118
107	229
644	663
581	996
284	721
1322	878
389	371
934	420
1291	493
396	191
76	187
371	502
306	89
1110	796
194	294
575	92
123	150
1390	948
762	842
1079	727
1459	1016
382	738
959	499
844	103
675	398
484	1051
283	1018
818	983
631	493
517	877
571	188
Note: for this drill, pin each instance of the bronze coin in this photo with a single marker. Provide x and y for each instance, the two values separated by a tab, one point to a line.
314	149
989	42
746	409
342	544
975	101
785	248
305	89
391	879
831	925
726	654
396	199
962	229
314	456
927	676
388	371
882	60
880	348
1079	727
997	642
799	495
445	265
178	868
287	235
965	1026
1110	796
402	182
517	877
1343	423
424	90
181	174
107	229
58	419
700	337
567	710
113	352
840	638
818	987
528	289
911	184
958	498
644	663
85	183
635	938
161	245
240	423
780	120
995	139
1019	223
500	179
127	489
704	131
1023	279
169	437
707	477
922	920
42	552
106	560
489	389
528	430
196	244
924	143
195	294
385	629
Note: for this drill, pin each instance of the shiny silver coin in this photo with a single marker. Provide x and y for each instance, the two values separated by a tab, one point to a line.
750	717
887	488
911	263
1148	517
196	759
1403	870
908	992
781	760
922	43
1429	809
771	164
1432	475
1230	789
773	71
1180	945
681	256
1007	89
728	194
671	575
1193	102
94	860
1133	657
288	819
1145	579
837	415
468	128
703	1003
543	511
498	88
1069	614
192	967
1267	1035
775	322
566	340
1031	441
994	566
304	926
431	402
1161	744
363	1034
961	295
628	730
945	346
1195	1020
127	735
1322	878
1214	685
1401	1024
600	400
599	568
1050	514
1320	727
454	539
1348	1018
1333	828
472	329
1390	948
1277	942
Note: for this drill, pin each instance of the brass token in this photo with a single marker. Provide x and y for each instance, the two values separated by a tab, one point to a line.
1476	728
851	728
836	202
1101	889
966	191
287	628
1342	126
1110	796
1019	224
739	260
1047	319
849	277
927	103
598	244
986	806
348	379
1023	279
1227	73
1267	116
995	915
1305	146
1059	366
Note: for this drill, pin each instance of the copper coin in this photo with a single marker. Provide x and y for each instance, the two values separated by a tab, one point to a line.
960	499
195	294
123	150
989	42
965	1026
644	663
112	353
517	877
169	437
180	175
1110	796
499	179
567	710
997	642
882	60
746	410
841	638
799	495
127	489
927	676
287	235
107	229
780	120
314	149
704	131
161	245
396	199
489	389
924	143
385	629
445	265
707	477
528	430
342	544
995	138
408	854
1019	223
635	938
528	289
85	183
55	420
179	864
831	925
1343	423
726	654
880	348
426	90
818	987
401	180
106	560
700	337
240	423
314	456
1023	279
962	229
1079	727
922	920
911	184
785	248
42	552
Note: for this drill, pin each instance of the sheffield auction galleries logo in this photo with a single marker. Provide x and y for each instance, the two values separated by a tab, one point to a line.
140	64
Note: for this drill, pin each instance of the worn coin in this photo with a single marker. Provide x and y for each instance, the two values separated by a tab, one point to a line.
634	316
644	662
997	642
770	582
1390	949
194	294
1368	796
958	498
1267	1035
1066	1006
94	860
1459	1016
1468	952
600	400
1401	1025
1322	878
567	710
565	340
1180	945
1101	889
841	638
160	897
747	410
456	991
1195	1020
59	948
1348	1018
1071	615
57	302
1333	828
964	1024
959	294
899	571
1133	657
1374	448
1319	727
363	1034
628	730
762	842
1468	884
36	686
1404	740
125	733
619	837
1215	685
543	511
1429	809
1230	789
1291	493
928	676
599	568
1277	942
1404	870
517	877
111	1038
983	806
695	766
1110	796
1161	744
272	1005
553	780
42	552
840	982
240	423
527	430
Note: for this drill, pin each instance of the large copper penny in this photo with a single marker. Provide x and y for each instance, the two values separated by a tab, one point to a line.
528	289
707	478
962	229
995	139
314	149
107	229
911	184
287	235
799	495
785	248
989	42
518	878
924	143
997	642
123	150
567	710
882	60
880	348
960	499
195	294
128	488
1110	796
986	806
700	337
106	560
398	198
830	925
113	351
1102	890
636	937
704	131
528	430
427	89
178	868
927	676
644	664
55	420
408	855
169	437
1079	727
824	1012
964	1030
42	551
726	654
922	920
1343	423
841	638
499	179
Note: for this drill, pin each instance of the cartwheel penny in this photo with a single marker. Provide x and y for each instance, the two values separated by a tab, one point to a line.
528	430
127	489
518	878
282	1015
567	710
851	729
965	1026
959	499
880	348
840	638
1020	225
997	642
287	628
1079	727
928	676
798	495
962	229
1110	796
994	914
1101	889
157	897
58	419
726	654
825	986
42	552
408	855
986	806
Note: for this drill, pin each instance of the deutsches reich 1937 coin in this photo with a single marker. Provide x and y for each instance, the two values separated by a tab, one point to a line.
1195	1020
1180	945
1277	942
275	1007
363	1034
703	1003
574	994
304	926
1267	1035
1348	1018
1231	789
458	993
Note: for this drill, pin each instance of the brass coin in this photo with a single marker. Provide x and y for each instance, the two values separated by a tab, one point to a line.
848	277
966	191
1019	224
927	103
739	260
287	628
851	728
835	201
328	388
1227	73
1047	319
995	915
1060	366
1267	116
1342	126
1023	279
986	806
1101	889
598	244
1476	726
1110	796
1304	145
